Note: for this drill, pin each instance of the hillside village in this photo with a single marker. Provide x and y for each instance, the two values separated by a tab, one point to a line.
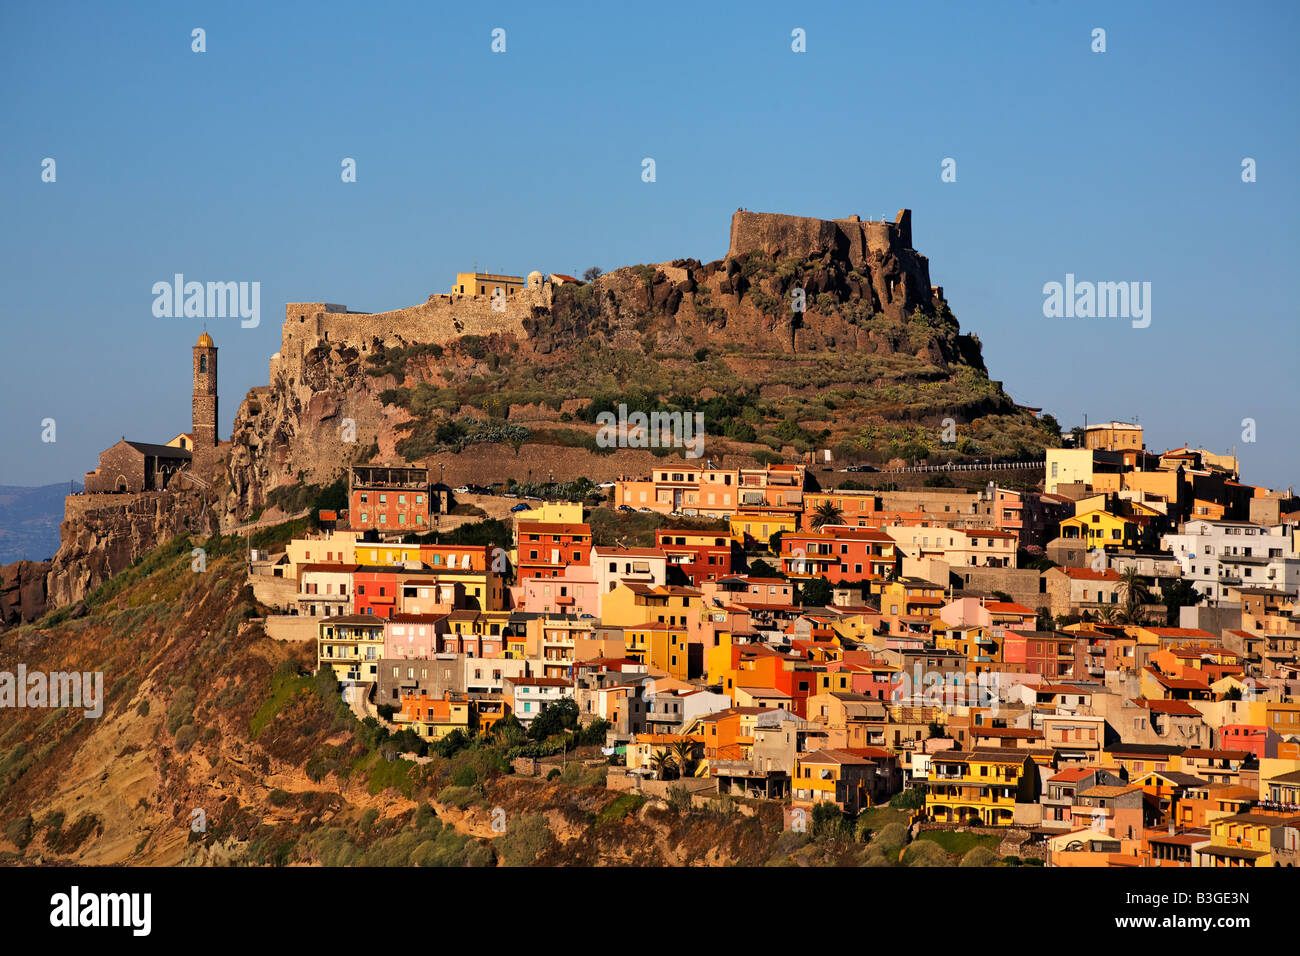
1103	672
1088	658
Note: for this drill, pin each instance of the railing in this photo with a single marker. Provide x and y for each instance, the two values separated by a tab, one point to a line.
979	466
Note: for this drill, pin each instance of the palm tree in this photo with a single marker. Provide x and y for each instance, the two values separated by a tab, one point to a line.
1134	592
1133	615
661	762
1107	614
825	514
684	754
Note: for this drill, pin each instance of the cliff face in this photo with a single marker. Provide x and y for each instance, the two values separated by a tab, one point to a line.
103	534
22	592
899	276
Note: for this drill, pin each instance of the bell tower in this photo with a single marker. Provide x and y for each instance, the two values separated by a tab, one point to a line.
205	401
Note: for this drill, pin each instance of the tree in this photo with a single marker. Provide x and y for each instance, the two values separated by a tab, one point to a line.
684	755
815	592
1133	591
761	569
509	731
592	274
661	762
1106	614
1177	593
554	718
1045	621
774	542
1051	425
827	513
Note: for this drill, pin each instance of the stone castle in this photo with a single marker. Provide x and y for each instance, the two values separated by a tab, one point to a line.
289	429
468	310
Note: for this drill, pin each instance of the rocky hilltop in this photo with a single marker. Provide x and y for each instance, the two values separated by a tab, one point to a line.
869	367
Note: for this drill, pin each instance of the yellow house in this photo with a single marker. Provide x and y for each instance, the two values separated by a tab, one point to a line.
760	524
663	647
483	283
352	644
832	776
1066	466
1101	529
717	658
909	596
432	718
338	547
553	512
854	625
981	787
553	641
377	554
978	644
1246	839
633	603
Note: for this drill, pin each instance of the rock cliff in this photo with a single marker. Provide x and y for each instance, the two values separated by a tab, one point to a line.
22	592
104	534
353	386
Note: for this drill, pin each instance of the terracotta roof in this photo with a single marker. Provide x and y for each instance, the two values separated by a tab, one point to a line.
1177	707
1073	775
1108	791
834	756
1088	574
1007	607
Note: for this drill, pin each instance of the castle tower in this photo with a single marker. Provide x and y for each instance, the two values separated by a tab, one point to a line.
205	402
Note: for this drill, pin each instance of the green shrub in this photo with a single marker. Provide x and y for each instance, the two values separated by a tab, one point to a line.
181	710
980	856
527	836
20	832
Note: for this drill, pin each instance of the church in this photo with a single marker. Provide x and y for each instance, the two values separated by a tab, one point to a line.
131	467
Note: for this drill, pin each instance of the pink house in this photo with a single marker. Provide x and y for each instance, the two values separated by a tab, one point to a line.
413	636
575	592
982	612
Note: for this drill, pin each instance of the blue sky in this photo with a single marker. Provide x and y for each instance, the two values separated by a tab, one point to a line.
225	166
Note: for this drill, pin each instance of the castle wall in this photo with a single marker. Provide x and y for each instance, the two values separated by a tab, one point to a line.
440	319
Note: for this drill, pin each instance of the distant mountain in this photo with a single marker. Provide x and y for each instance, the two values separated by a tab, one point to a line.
29	521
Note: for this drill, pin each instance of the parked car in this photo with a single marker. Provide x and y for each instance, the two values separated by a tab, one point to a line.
462	490
521	507
627	509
